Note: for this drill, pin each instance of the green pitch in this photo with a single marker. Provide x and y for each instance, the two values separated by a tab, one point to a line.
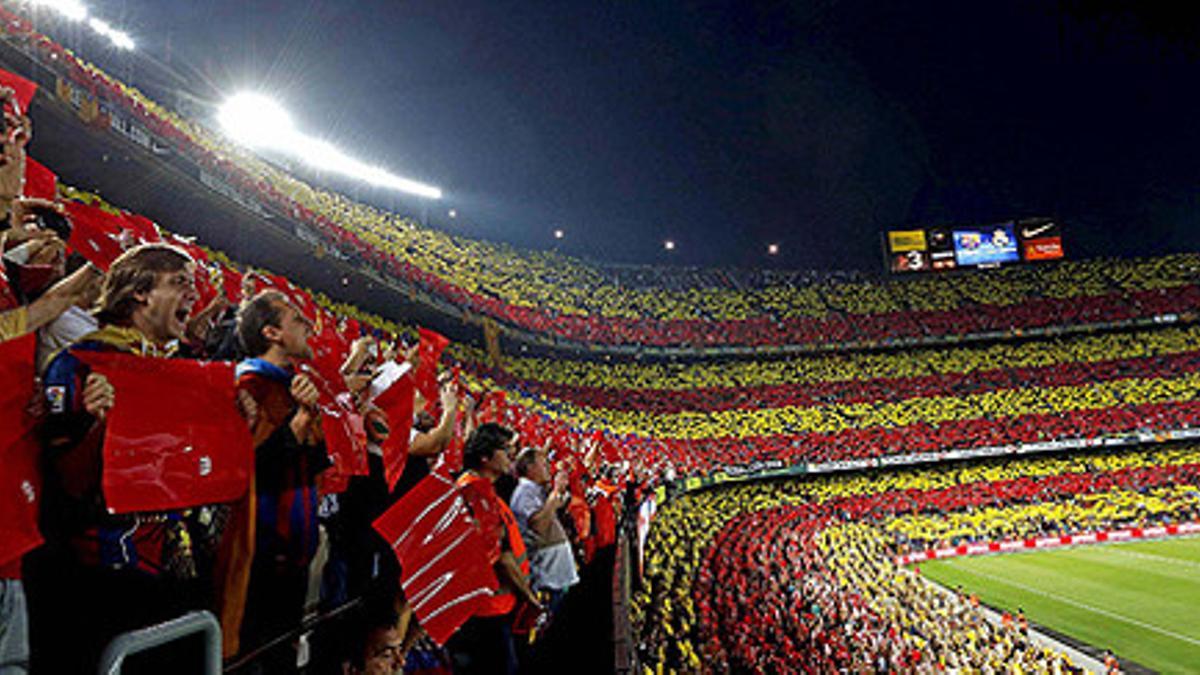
1141	600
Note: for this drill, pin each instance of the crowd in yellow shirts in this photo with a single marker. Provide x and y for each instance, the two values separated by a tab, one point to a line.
783	576
547	292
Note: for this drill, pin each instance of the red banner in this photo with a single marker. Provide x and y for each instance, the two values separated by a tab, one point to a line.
22	88
397	403
40	182
97	234
174	437
429	352
20	481
346	443
443	559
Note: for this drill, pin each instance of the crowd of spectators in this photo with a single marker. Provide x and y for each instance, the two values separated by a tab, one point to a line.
294	534
697	418
542	492
800	576
555	295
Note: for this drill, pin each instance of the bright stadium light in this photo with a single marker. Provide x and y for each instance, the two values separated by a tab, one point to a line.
257	121
71	9
559	234
669	244
772	249
119	38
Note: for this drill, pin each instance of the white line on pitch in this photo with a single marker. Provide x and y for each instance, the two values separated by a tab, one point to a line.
1081	605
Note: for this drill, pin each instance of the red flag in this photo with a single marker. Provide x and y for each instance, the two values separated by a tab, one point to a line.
346	443
491	408
397	403
142	227
23	88
188	244
232	281
40	182
443	559
205	289
343	429
351	331
174	438
429	352
299	298
97	235
20	481
450	463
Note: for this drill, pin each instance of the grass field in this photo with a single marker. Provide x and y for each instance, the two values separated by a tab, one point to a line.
1141	600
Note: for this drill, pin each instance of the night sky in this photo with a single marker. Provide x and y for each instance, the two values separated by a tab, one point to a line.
729	125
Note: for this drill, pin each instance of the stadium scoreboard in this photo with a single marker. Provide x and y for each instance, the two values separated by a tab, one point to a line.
939	249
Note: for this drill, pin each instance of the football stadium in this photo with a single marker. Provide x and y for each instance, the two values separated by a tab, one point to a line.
273	408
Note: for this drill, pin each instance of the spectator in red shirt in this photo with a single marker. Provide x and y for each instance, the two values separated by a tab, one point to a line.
484	644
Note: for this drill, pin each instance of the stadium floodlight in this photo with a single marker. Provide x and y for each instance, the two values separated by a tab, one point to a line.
453	213
669	244
772	249
119	38
559	234
257	121
71	9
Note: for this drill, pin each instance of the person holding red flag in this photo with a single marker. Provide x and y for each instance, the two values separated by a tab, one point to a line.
278	530
484	644
102	573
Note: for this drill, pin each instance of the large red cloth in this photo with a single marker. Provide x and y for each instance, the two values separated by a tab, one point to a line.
492	407
232	280
444	566
174	437
346	443
97	235
429	352
23	88
40	182
20	482
397	403
142	227
343	429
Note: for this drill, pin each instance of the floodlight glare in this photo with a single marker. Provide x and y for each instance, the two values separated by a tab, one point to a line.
669	245
121	39
118	38
71	9
559	234
257	121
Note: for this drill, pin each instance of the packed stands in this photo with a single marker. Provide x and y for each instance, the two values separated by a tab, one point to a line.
701	417
800	575
717	592
563	298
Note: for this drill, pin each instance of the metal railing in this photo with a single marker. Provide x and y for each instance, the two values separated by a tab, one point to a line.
143	639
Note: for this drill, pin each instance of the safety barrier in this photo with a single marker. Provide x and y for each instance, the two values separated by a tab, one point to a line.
143	639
